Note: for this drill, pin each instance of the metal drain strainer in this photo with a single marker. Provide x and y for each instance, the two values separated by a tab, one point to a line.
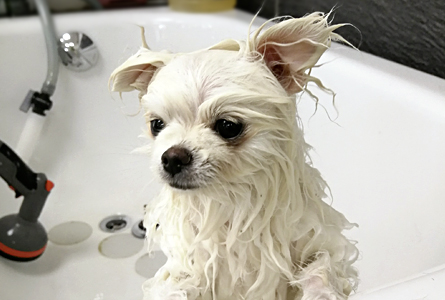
115	223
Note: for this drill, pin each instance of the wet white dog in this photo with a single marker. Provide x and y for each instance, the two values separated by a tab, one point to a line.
241	214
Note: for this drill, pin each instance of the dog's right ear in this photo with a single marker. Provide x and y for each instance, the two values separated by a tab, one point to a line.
137	72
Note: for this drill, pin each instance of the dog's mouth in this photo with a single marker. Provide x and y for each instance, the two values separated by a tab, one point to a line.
180	181
183	186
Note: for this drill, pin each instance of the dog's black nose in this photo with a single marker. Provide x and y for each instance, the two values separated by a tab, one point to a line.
175	159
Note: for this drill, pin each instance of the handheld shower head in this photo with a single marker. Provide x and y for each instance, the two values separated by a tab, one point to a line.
21	240
22	237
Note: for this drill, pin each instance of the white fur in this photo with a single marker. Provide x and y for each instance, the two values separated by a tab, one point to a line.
255	225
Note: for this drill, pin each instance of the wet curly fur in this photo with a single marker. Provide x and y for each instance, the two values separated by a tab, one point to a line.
244	217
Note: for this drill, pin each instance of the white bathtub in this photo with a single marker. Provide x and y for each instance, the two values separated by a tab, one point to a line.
384	158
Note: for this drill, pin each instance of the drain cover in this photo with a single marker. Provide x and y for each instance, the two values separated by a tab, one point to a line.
147	265
70	233
114	223
120	246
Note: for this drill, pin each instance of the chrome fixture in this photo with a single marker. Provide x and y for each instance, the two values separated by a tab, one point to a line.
77	51
138	230
114	223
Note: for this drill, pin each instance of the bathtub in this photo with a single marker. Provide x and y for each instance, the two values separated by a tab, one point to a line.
381	149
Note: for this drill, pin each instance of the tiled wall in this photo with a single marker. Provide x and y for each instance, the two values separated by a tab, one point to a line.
406	31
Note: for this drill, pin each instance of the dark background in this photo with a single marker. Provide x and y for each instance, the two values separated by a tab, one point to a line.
409	32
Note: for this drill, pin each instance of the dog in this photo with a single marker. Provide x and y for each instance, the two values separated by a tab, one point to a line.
241	212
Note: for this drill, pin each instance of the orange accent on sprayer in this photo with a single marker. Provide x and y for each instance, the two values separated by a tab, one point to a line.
21	254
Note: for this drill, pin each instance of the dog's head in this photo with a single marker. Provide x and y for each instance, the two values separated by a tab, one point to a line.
219	115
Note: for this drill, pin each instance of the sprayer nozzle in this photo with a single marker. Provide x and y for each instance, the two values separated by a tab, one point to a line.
21	240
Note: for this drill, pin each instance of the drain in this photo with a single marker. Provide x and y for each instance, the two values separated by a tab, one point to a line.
114	223
138	230
70	233
120	246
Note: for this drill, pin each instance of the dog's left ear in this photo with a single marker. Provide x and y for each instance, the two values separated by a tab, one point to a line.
292	47
137	72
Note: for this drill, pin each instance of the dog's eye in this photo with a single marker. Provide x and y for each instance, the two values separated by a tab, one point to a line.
227	129
156	126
